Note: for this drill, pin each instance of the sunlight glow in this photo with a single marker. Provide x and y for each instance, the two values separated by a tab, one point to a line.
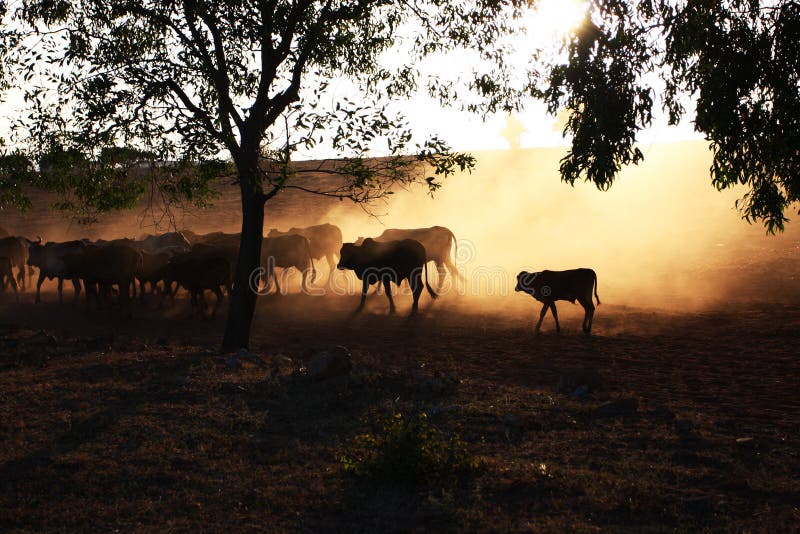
553	19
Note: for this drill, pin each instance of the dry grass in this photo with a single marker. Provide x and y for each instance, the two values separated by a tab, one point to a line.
152	429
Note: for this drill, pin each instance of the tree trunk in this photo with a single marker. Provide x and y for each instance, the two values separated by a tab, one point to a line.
243	299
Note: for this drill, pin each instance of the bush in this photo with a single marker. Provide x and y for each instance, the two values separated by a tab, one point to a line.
408	450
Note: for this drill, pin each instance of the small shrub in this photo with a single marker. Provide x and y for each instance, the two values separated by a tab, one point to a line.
408	450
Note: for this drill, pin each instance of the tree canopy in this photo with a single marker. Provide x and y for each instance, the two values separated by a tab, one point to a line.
736	62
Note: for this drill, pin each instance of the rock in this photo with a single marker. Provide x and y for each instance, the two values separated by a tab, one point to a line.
581	392
328	364
618	408
570	381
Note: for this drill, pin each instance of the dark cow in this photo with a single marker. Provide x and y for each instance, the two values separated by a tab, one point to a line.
195	238
549	286
325	241
395	261
151	271
438	242
287	251
16	250
7	273
197	271
49	259
101	267
171	243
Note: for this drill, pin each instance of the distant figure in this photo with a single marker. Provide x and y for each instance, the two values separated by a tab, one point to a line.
325	241
512	132
394	261
438	242
549	286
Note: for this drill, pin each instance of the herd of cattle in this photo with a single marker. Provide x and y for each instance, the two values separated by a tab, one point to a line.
161	264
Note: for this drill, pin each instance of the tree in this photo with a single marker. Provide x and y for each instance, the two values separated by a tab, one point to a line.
190	80
737	60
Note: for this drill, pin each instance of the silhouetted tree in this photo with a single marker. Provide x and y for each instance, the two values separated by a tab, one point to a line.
190	80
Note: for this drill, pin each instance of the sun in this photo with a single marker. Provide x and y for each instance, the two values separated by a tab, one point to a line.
553	19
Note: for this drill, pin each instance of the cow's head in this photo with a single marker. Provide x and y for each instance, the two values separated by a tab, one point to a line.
35	249
526	282
348	256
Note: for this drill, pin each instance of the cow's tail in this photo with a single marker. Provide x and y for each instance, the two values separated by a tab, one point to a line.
455	258
433	293
595	287
311	260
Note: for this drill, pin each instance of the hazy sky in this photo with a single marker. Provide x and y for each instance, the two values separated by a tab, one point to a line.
462	130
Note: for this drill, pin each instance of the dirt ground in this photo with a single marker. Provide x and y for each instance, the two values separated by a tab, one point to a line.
689	420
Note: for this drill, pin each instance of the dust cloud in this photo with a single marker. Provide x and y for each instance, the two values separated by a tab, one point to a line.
662	236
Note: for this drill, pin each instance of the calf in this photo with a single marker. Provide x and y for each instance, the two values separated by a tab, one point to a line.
549	286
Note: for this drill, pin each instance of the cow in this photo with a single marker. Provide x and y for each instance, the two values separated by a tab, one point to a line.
393	261
325	241
171	243
6	272
15	249
549	286
197	271
195	238
151	271
49	259
103	266
287	251
438	242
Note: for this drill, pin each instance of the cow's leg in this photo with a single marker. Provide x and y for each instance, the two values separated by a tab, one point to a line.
555	315
13	284
39	283
387	286
542	313
331	266
125	289
588	307
442	272
454	272
193	301
304	281
364	291
218	292
415	282
76	287
60	290
275	278
21	277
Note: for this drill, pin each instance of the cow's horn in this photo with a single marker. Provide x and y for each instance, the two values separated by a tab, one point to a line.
39	242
